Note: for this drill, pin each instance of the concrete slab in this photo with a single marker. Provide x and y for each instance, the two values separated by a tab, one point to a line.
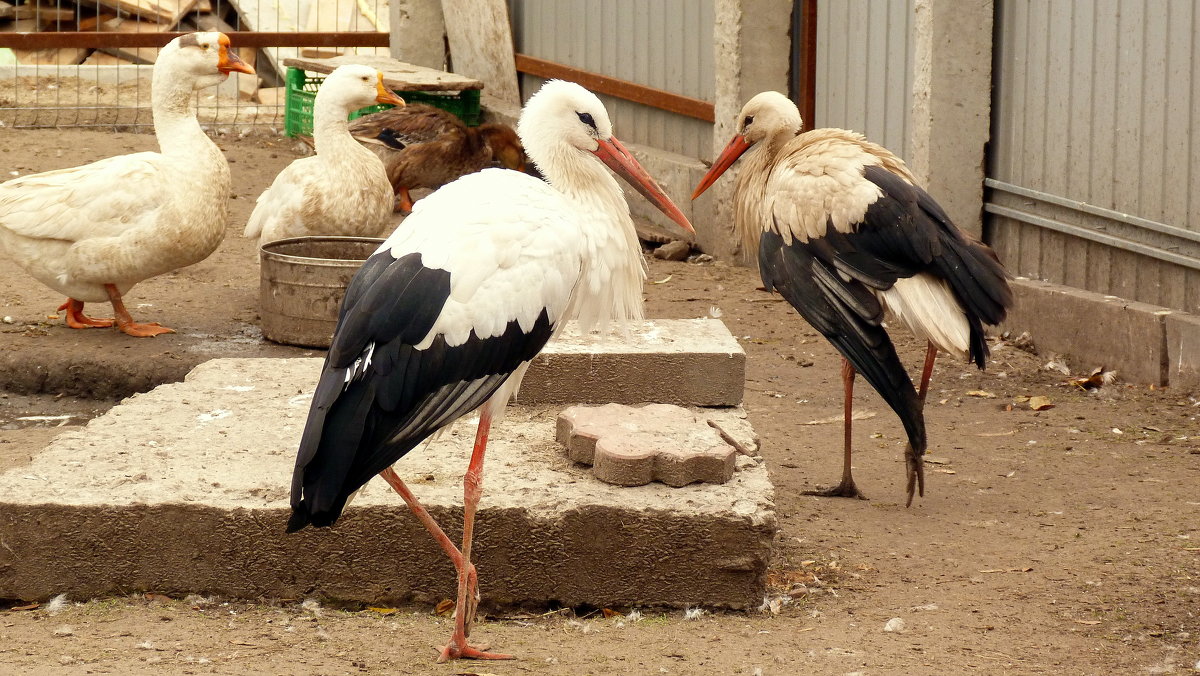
689	362
1183	351
1092	329
184	490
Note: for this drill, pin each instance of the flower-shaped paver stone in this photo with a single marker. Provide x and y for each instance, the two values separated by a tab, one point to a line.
632	446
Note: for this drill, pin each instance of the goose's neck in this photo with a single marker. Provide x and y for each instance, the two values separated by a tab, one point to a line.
331	131
175	124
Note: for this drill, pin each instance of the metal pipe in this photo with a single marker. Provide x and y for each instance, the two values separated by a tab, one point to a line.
1089	234
1161	228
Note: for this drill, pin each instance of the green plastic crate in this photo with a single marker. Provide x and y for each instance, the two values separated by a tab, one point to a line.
302	91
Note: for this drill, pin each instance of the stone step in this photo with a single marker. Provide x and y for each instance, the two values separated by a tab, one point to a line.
184	489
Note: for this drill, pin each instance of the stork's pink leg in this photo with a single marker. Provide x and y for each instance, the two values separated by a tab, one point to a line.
77	320
927	372
125	321
468	586
846	489
389	475
914	464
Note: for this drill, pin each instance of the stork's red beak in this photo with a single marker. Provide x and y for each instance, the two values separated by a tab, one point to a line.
614	154
734	150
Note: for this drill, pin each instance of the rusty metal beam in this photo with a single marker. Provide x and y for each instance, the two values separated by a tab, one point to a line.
804	59
622	89
250	39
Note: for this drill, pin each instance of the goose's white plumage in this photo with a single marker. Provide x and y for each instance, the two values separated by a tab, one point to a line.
343	189
841	229
124	219
445	317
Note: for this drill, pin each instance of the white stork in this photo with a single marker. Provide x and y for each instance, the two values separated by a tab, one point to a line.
445	317
844	233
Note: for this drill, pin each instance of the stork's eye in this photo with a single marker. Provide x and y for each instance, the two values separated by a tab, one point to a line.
587	119
748	121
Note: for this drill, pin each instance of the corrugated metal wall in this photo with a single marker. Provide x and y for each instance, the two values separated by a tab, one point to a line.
1095	177
864	69
667	44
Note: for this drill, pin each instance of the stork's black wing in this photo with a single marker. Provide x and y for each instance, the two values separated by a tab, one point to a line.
380	395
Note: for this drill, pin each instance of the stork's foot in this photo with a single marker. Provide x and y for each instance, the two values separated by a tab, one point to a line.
915	465
77	320
846	489
452	651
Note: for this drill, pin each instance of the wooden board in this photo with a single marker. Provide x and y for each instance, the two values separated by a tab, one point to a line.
269	16
271	96
44	13
66	56
481	45
139	55
6	10
400	76
167	12
101	59
345	16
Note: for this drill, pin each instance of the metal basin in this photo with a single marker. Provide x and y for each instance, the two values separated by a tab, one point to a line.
302	282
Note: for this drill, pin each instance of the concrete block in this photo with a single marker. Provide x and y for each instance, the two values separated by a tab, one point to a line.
689	362
185	490
1093	329
1183	351
629	446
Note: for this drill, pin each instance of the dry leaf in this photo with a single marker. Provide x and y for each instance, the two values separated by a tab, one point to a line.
934	460
997	434
32	606
982	394
1040	403
1097	379
1020	400
609	612
444	607
664	280
1087	622
384	611
946	471
857	415
157	598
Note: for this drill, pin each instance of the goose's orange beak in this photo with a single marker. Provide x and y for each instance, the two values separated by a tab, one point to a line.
614	154
385	95
734	150
228	61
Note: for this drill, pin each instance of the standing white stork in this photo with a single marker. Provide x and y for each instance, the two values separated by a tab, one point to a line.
445	317
844	233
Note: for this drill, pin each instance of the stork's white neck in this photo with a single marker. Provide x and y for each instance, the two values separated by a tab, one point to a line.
610	288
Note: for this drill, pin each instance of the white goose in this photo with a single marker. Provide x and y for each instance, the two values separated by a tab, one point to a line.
92	232
344	188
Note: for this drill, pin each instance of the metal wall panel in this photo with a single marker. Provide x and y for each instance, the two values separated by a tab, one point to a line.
1093	174
666	44
864	69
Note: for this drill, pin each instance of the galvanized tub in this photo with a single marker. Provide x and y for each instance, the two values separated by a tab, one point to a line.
302	282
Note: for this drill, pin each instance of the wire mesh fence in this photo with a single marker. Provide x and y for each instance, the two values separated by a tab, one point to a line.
109	86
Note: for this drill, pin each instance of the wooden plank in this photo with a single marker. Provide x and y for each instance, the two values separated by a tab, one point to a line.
30	39
270	16
138	55
51	57
99	58
6	10
602	84
328	16
167	12
481	45
45	13
398	75
271	96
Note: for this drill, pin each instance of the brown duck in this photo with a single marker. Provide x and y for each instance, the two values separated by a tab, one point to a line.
425	147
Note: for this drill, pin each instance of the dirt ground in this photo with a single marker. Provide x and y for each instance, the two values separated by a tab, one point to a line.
1064	540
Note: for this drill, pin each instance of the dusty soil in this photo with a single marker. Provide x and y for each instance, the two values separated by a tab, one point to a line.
1065	540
